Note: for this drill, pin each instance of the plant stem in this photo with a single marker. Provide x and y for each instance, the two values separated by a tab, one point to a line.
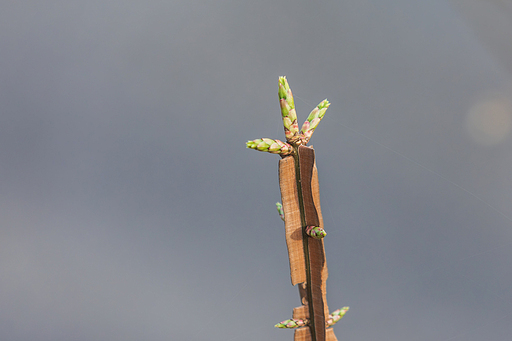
305	240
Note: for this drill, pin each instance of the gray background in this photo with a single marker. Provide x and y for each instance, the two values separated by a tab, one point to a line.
131	210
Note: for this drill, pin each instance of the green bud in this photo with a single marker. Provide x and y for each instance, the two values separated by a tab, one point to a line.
315	232
269	145
313	120
280	210
292	323
335	316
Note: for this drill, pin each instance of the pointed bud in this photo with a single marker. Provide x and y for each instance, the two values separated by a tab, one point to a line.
335	316
313	119
288	113
271	146
292	323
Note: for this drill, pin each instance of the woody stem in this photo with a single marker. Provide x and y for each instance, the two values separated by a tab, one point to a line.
306	245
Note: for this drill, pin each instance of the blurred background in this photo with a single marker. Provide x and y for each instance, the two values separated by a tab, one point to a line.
130	208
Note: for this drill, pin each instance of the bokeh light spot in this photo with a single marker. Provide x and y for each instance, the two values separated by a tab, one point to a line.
489	121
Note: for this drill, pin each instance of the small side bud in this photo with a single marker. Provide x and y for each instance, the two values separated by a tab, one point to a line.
280	210
315	232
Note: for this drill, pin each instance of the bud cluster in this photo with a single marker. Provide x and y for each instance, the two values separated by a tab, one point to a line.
291	127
